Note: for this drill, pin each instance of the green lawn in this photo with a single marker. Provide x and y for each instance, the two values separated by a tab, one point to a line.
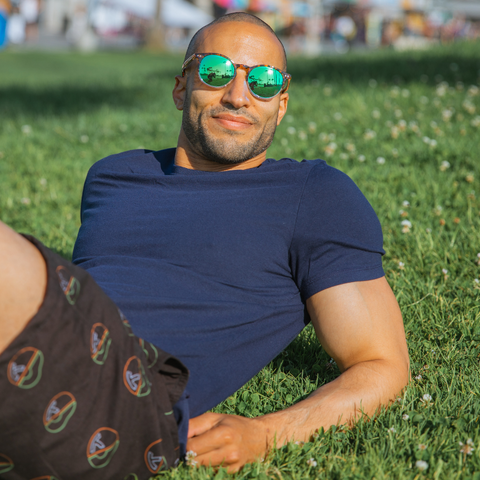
405	127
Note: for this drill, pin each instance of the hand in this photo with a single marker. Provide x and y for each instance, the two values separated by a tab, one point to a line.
226	440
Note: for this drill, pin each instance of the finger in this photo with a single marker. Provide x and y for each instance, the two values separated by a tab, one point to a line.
205	443
202	423
224	457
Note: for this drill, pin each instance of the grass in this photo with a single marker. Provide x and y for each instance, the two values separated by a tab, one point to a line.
404	126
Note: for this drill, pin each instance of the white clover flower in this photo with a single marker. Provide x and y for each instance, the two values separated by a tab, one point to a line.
444	165
405	93
284	141
291	130
43	182
26	129
423	100
406	203
25	201
380	160
444	271
344	156
426	397
406	223
376	114
190	458
361	158
398	113
405	417
476	121
473	90
330	148
422	447
394	152
312	127
369	134
302	135
337	116
332	136
392	429
418	377
401	265
350	147
327	90
468	448
426	140
323	137
421	465
311	462
84	138
402	125
433	143
447	115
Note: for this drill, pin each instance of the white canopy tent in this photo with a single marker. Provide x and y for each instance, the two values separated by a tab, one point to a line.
175	13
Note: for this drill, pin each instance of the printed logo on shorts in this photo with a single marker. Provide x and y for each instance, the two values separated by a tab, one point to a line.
25	368
102	447
69	284
59	411
99	343
150	352
127	325
153	458
6	463
135	378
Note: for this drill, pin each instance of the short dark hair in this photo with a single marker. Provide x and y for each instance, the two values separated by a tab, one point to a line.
234	17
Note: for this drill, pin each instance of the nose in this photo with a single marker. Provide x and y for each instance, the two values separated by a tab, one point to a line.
237	93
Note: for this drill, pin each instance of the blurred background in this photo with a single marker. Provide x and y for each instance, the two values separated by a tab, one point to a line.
308	27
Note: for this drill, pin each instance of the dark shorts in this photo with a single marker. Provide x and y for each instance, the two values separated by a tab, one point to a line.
81	397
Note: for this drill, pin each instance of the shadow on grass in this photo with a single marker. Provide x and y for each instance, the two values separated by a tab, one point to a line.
17	101
453	63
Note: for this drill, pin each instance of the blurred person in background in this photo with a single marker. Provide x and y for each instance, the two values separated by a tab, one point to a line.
5	8
30	10
16	27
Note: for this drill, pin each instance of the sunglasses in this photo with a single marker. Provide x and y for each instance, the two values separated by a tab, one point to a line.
216	70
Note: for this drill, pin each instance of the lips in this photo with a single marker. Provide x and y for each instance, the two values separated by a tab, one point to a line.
232	122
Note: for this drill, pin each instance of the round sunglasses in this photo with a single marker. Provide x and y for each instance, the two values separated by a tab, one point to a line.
217	70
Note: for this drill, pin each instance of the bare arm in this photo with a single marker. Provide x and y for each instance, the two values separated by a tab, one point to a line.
23	280
360	325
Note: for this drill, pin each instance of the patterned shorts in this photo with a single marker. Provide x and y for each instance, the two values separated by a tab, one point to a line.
81	397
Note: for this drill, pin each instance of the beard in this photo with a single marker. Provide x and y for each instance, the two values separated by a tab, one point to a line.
230	151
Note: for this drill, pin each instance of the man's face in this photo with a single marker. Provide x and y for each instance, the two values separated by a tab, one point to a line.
229	125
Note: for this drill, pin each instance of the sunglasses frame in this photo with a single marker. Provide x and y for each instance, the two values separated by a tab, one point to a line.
200	56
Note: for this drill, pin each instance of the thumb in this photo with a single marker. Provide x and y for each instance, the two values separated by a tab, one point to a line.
202	423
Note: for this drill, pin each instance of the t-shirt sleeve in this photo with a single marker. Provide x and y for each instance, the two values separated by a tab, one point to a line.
337	237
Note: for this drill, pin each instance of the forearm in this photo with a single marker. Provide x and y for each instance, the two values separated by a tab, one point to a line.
363	388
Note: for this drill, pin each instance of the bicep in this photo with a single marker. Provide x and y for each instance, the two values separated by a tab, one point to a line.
359	322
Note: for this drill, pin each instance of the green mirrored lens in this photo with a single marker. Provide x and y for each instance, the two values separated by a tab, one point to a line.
265	82
216	71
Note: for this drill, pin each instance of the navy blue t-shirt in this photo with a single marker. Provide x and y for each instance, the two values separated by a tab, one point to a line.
215	267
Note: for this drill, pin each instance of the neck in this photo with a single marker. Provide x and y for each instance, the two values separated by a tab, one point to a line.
187	158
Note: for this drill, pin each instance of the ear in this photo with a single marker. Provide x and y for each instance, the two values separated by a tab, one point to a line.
282	108
179	91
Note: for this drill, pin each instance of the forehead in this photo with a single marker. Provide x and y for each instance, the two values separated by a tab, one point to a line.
242	42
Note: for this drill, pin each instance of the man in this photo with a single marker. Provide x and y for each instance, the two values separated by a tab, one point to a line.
213	252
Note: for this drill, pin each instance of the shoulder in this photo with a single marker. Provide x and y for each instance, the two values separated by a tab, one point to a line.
132	161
